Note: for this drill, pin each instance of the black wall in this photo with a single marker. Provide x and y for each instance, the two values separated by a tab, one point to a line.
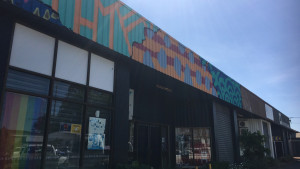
6	31
120	123
180	105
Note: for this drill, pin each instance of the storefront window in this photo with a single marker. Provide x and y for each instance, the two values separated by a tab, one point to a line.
99	98
64	135
28	83
201	142
192	146
68	91
184	150
22	130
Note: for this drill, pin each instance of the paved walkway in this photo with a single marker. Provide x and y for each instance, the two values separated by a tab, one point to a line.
291	165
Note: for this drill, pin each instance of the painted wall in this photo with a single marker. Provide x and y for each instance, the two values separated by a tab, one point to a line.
113	24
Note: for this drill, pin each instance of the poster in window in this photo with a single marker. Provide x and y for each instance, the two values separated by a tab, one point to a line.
96	136
96	141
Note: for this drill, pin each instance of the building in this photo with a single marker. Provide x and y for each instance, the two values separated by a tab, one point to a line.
92	84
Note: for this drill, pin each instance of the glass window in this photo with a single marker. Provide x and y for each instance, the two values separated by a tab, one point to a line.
102	73
27	82
68	91
32	50
97	139
22	130
64	135
184	151
99	98
201	143
71	63
192	146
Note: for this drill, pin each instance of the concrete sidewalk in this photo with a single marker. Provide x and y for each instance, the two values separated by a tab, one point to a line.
295	164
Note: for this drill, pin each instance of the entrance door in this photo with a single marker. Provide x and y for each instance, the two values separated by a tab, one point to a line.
152	145
279	148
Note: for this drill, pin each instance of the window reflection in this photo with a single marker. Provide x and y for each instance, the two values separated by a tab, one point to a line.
64	135
22	129
26	82
192	146
99	98
68	91
184	151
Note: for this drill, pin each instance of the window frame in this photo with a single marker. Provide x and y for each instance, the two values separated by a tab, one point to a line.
50	98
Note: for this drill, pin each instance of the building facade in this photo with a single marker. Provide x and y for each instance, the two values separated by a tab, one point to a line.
92	84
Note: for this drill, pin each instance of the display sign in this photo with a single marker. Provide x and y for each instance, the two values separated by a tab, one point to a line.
65	127
76	128
269	112
96	136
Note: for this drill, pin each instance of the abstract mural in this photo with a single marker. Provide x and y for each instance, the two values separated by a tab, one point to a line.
113	24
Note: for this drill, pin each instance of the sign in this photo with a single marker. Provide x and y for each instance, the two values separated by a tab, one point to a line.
76	128
65	127
96	136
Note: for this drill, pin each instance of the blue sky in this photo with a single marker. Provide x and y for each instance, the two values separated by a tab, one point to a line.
256	42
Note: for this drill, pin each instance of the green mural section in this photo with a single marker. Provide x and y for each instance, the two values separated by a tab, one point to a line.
119	40
66	10
227	88
103	29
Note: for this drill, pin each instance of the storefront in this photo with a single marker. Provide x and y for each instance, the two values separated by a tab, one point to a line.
73	98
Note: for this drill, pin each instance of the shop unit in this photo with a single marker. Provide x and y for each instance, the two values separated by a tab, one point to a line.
105	87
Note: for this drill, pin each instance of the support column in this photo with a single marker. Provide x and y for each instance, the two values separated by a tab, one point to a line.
6	31
236	141
120	124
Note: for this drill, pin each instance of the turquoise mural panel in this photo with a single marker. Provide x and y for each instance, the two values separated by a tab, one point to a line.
137	34
119	39
86	32
131	19
103	29
48	2
107	3
124	10
227	88
66	10
87	9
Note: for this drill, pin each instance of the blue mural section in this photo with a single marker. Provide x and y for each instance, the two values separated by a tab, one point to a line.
38	8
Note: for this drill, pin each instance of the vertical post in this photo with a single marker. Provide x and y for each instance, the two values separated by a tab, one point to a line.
120	125
236	136
6	34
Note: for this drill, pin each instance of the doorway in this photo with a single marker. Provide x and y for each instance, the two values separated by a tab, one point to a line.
278	149
152	145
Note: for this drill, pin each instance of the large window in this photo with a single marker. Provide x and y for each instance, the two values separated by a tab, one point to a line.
57	107
192	146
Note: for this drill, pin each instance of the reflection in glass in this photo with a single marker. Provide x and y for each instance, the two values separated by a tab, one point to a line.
97	142
68	91
64	135
192	146
99	98
27	82
184	151
22	129
201	144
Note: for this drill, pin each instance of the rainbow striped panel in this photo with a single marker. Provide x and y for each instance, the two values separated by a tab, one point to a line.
23	123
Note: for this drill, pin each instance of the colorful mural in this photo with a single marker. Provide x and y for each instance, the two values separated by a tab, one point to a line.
113	24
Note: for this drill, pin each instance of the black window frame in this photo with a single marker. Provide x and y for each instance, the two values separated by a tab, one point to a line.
50	98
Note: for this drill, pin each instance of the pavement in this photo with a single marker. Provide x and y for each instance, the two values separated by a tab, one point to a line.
295	164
